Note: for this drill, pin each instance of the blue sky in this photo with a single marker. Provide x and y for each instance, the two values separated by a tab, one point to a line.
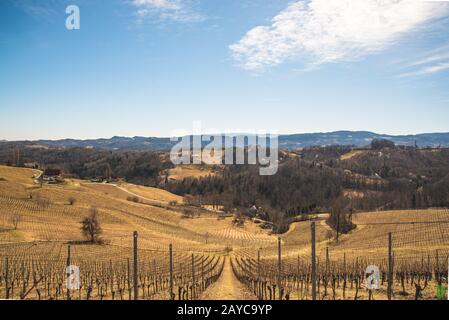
149	67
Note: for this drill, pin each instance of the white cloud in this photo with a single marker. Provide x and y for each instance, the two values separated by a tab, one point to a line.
430	59
174	10
433	62
436	68
322	31
439	67
161	4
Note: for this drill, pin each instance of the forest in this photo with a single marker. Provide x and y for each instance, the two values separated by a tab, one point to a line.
312	180
316	179
139	167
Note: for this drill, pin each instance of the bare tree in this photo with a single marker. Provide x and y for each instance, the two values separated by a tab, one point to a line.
239	219
340	218
133	199
108	171
189	200
330	235
71	201
279	221
90	227
188	213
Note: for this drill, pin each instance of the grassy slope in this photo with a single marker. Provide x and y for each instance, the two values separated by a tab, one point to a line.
157	227
59	221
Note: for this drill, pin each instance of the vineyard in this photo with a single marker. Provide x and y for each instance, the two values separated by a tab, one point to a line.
417	254
204	257
39	272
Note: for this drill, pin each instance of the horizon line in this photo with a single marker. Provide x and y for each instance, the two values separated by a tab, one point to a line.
226	134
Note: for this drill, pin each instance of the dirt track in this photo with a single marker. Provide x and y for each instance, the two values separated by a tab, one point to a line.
227	287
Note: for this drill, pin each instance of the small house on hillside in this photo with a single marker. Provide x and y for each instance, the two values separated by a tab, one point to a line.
51	176
31	165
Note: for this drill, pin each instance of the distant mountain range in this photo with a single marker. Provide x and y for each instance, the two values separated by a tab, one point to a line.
292	141
361	138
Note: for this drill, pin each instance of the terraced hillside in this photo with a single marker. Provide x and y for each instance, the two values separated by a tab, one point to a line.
39	222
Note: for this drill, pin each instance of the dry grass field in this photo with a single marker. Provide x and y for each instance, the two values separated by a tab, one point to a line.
48	222
189	171
48	216
351	154
152	193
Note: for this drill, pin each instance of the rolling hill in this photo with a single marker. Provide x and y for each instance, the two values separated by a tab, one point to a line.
290	141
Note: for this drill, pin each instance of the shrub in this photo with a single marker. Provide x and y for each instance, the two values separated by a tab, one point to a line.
133	199
188	213
91	228
71	201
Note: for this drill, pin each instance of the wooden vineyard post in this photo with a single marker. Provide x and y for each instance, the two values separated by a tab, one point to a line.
202	273
344	275
326	271
129	280
298	272
297	266
6	279
172	297
22	294
193	276
437	267
259	288
390	267
135	269
279	268
68	272
313	261
111	270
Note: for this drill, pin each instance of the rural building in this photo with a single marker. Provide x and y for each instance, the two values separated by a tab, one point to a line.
51	176
31	165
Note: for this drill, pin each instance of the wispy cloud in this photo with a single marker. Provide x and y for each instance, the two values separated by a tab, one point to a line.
431	63
430	59
439	67
323	31
167	10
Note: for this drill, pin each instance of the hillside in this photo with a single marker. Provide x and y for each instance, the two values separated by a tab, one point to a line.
48	222
290	141
46	214
310	180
